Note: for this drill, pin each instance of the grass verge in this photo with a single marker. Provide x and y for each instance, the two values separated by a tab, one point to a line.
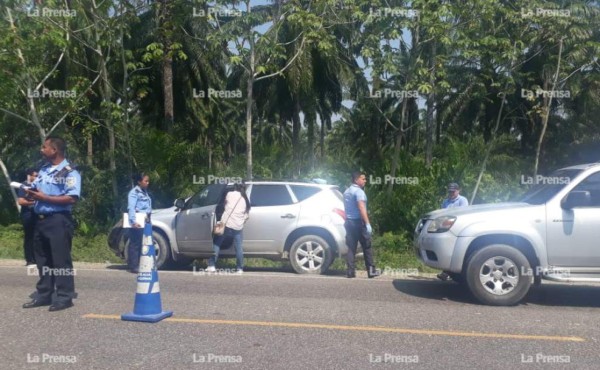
392	252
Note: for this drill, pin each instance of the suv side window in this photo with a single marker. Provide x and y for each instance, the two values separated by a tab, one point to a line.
270	195
207	197
591	184
304	192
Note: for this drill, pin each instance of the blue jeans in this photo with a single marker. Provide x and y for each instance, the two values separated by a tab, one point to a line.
237	236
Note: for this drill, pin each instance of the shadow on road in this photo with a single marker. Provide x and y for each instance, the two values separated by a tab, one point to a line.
545	295
564	295
435	290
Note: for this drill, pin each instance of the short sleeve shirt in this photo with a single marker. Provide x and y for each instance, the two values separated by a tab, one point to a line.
57	180
351	197
459	201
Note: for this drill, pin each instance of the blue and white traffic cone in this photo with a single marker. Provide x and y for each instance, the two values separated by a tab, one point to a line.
147	306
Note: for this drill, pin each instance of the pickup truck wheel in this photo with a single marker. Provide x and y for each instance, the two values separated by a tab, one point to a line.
310	254
162	250
497	275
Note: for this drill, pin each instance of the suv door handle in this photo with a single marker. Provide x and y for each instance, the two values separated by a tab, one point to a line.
289	215
205	216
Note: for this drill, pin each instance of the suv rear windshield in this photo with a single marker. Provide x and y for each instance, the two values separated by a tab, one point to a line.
303	192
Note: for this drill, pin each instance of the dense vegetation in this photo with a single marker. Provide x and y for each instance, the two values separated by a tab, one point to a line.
481	92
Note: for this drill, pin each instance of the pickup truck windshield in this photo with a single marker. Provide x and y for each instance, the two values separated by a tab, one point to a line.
548	186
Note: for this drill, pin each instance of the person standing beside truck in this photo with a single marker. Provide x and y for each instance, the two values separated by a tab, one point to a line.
357	225
138	201
453	200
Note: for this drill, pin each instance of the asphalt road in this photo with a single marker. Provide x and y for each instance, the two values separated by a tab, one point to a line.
280	320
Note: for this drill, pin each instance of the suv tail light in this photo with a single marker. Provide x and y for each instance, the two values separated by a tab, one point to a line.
340	212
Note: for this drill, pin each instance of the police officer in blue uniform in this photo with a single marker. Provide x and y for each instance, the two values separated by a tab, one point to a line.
357	225
55	190
138	201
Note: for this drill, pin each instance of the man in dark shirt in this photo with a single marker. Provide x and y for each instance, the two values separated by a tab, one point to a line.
28	218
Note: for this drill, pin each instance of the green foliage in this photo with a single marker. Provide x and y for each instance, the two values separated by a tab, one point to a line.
86	248
463	58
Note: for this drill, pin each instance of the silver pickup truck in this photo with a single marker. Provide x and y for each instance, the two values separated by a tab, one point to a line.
499	250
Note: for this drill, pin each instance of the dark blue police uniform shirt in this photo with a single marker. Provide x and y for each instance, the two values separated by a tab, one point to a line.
55	181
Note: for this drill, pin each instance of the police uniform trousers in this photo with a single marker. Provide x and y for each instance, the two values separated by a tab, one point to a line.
134	249
52	249
28	221
356	231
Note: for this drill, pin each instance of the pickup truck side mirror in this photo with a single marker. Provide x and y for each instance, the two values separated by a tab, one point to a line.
577	198
179	203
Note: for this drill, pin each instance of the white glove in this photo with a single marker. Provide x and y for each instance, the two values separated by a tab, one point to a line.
369	229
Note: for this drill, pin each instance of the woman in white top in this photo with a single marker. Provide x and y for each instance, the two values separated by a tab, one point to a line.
235	214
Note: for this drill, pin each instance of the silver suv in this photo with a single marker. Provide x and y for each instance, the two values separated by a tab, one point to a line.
301	222
499	250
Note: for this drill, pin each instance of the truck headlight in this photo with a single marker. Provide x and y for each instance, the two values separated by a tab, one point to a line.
441	224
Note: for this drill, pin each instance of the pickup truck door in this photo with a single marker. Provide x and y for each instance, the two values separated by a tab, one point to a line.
193	224
573	235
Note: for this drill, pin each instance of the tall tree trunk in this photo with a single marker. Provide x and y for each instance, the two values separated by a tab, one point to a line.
167	64
398	145
430	121
310	122
546	111
90	151
296	125
8	181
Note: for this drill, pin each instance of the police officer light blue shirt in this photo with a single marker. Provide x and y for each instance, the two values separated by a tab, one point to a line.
351	197
138	201
459	201
56	181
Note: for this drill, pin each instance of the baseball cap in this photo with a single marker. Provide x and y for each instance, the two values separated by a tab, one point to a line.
453	186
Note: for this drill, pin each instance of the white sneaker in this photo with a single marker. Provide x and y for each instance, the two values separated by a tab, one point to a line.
239	271
211	269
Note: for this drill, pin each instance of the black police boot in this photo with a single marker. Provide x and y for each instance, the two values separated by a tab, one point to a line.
36	303
58	306
372	272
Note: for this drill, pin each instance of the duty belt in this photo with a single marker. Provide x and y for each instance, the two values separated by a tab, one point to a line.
42	216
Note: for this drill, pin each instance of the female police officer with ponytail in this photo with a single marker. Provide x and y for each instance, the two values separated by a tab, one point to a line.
138	201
